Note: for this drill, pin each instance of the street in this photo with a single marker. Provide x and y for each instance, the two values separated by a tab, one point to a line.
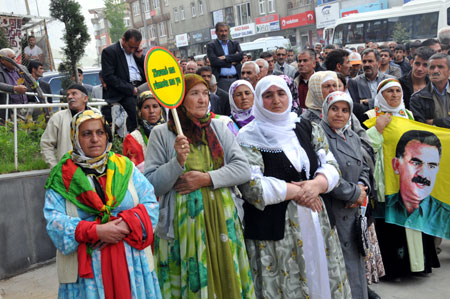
43	283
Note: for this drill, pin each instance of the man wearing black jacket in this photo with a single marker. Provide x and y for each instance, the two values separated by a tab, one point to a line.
431	105
417	78
225	57
123	72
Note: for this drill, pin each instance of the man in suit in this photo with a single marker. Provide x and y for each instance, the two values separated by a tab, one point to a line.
281	64
123	72
225	56
363	88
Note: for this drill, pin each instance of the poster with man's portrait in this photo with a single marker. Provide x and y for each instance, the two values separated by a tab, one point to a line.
417	176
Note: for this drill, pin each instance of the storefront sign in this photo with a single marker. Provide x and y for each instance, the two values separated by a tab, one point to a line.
243	30
199	36
327	15
182	40
267	23
297	20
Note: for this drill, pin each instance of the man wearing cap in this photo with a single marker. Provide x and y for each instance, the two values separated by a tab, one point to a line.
123	73
355	61
55	141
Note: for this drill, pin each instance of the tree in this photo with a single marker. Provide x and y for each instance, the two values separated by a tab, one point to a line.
114	13
4	43
400	34
76	35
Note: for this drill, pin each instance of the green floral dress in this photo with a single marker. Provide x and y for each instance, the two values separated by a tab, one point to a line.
279	267
207	258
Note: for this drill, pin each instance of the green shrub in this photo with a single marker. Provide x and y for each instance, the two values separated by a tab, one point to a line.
28	145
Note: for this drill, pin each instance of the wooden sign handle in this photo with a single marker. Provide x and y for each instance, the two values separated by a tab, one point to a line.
177	121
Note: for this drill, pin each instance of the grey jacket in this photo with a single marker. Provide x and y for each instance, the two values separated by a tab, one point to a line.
353	169
359	89
288	69
162	169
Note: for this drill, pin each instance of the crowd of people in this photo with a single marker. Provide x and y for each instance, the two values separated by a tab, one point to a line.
275	189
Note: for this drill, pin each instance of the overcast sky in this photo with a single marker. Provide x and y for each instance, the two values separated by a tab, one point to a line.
55	28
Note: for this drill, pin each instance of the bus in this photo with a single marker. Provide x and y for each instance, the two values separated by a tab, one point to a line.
264	44
421	19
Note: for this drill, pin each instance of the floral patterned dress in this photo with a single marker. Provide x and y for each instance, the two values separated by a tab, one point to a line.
207	258
278	267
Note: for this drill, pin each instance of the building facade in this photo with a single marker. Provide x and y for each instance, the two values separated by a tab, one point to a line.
186	26
101	29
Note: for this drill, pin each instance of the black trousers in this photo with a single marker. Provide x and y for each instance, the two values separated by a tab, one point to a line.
129	104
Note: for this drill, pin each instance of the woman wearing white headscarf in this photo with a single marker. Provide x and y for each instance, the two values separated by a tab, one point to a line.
293	251
403	250
320	85
343	201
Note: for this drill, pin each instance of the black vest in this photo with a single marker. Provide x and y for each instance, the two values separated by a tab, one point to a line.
269	224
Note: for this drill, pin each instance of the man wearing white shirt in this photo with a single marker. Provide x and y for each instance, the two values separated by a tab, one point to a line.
123	72
32	51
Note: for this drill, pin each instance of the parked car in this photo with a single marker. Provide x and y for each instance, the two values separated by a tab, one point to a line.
55	79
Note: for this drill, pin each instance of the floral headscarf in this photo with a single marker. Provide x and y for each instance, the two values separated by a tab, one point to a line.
198	131
144	126
294	92
241	116
78	156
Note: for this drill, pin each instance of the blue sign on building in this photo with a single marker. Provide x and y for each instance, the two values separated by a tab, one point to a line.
376	5
319	2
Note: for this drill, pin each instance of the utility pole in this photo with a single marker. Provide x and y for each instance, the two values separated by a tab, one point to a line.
28	7
147	36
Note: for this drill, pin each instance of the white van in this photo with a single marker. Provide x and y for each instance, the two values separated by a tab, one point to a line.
264	44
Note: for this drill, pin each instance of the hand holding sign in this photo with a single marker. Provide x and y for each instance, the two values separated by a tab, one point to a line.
165	79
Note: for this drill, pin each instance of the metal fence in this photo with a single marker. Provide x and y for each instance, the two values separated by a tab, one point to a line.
94	102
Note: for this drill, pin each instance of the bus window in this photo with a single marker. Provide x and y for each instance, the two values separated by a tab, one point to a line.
354	33
425	26
338	35
406	22
448	16
376	30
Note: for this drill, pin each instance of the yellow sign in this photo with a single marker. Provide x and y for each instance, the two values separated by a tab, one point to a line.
164	77
417	176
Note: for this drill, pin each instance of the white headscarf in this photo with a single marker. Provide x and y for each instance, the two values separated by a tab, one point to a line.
337	96
314	97
380	103
240	115
269	130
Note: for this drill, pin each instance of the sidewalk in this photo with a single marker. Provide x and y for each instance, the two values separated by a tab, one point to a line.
42	283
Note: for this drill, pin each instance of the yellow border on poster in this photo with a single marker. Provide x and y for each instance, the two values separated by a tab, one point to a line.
164	77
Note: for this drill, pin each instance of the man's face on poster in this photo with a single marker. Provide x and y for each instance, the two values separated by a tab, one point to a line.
417	169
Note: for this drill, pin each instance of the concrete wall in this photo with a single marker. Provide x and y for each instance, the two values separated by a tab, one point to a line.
23	237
